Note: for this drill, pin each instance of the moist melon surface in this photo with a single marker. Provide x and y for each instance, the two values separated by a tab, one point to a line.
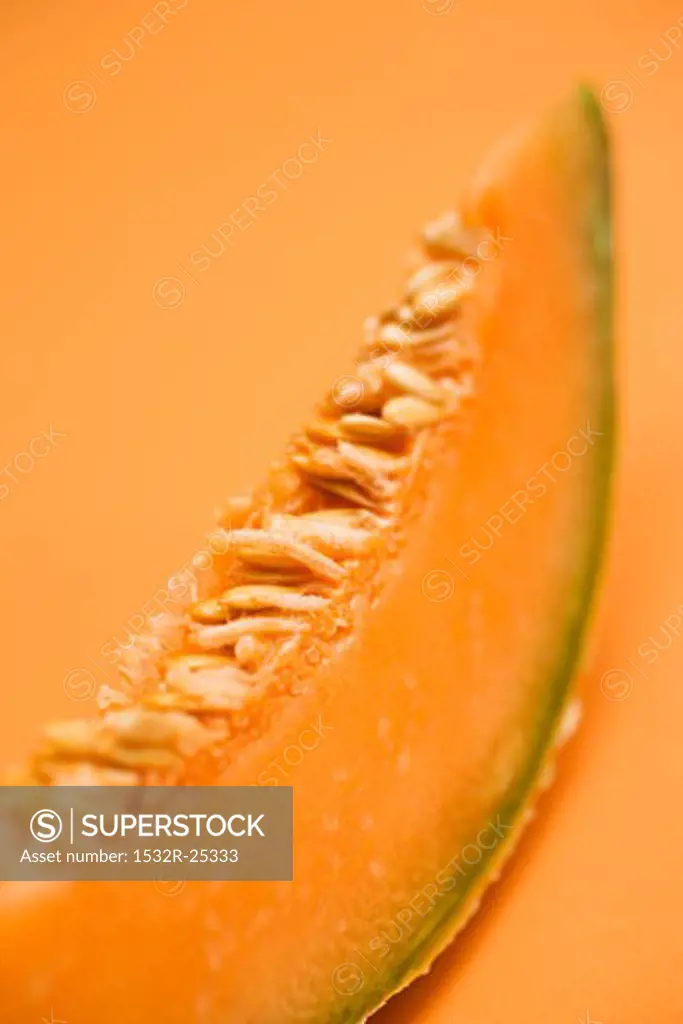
390	624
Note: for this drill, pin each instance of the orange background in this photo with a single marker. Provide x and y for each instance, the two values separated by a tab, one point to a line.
111	183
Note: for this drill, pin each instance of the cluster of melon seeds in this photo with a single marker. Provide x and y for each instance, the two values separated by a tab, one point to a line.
293	549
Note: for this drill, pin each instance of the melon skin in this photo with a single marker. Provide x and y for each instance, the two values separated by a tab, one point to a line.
439	720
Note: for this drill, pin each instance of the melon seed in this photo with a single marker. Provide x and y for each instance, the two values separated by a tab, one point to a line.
409	412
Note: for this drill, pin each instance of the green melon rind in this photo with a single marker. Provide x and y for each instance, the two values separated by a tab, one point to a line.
418	958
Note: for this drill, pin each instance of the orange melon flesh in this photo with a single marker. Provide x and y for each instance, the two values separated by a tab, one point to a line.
430	732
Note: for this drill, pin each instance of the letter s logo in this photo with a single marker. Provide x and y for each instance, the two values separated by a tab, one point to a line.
46	826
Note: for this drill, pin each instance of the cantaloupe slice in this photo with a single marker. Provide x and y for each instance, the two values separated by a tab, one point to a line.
392	630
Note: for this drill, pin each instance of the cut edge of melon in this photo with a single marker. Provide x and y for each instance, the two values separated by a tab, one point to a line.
425	955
